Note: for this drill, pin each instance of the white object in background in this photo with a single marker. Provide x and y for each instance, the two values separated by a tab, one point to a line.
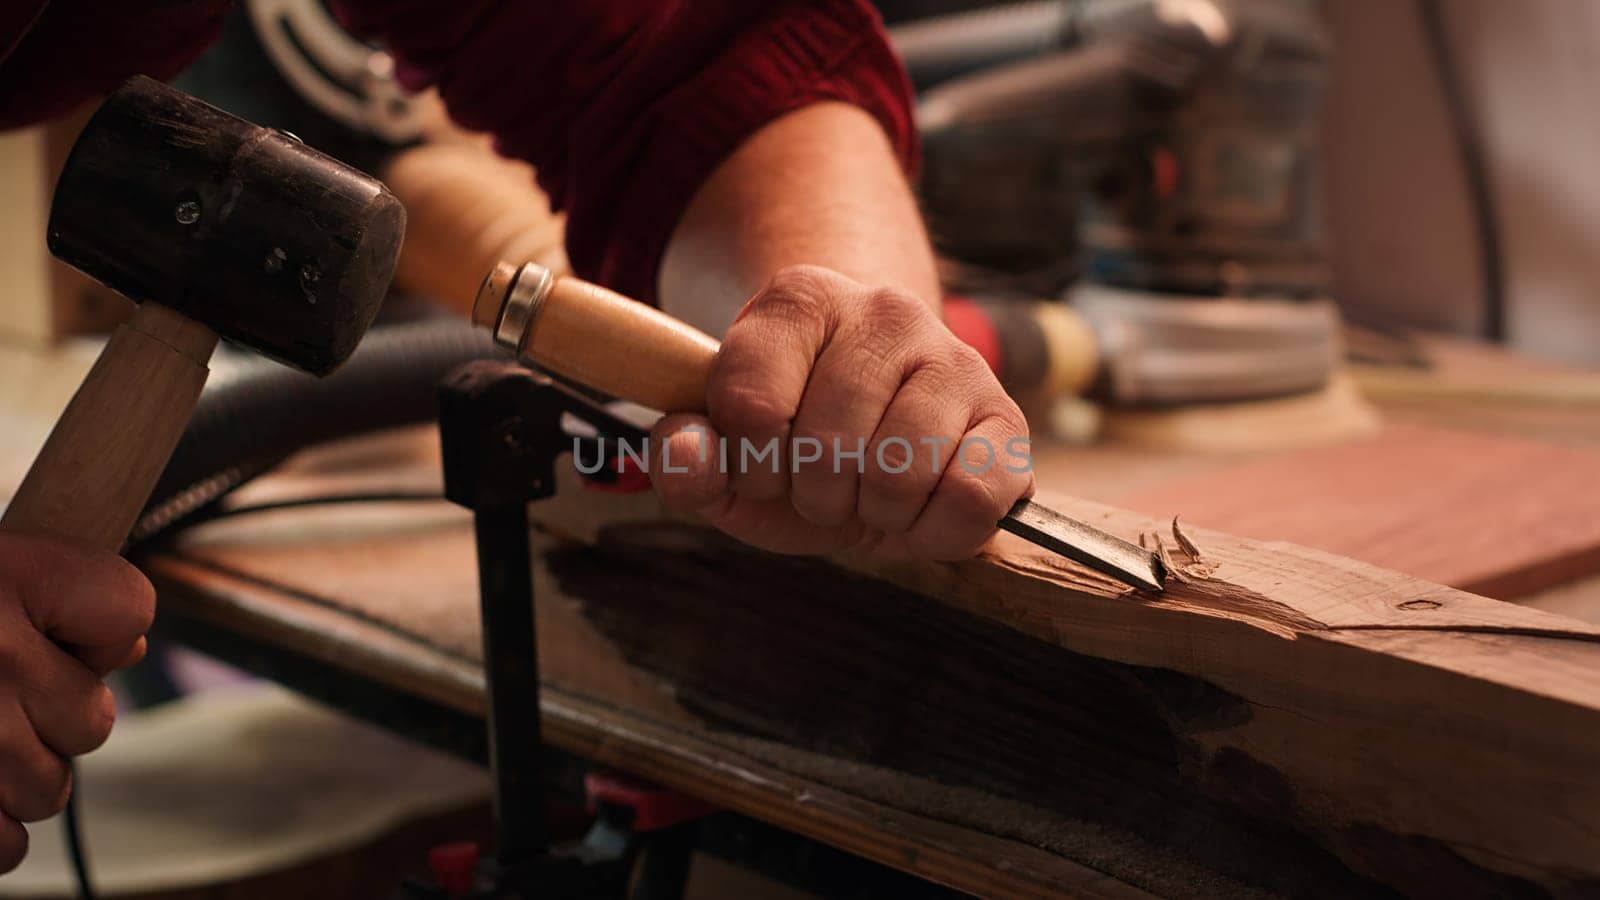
236	782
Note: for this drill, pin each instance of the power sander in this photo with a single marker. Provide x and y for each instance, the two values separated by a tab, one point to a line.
1155	164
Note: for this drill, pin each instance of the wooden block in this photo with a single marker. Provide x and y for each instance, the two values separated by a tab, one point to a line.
1499	516
1293	712
43	300
26	313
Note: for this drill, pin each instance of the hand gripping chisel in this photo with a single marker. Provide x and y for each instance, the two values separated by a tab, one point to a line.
635	352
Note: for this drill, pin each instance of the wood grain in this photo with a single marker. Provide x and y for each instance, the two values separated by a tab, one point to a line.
1421	736
1500	516
102	459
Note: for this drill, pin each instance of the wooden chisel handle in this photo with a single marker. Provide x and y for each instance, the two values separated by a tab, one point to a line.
596	337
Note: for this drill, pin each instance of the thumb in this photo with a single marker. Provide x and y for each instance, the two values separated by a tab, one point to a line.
94	604
686	464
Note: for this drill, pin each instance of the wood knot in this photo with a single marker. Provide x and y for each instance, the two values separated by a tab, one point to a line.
1420	603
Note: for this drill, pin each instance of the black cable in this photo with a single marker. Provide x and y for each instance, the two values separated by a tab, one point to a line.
259	413
1475	164
70	821
75	845
316	500
215	511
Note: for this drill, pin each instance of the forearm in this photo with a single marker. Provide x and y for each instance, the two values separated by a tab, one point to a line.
820	185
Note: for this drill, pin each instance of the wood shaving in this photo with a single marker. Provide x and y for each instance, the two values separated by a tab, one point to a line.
1195	567
1172	568
1184	542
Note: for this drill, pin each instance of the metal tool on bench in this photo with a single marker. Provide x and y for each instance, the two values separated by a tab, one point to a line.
220	228
1156	163
632	351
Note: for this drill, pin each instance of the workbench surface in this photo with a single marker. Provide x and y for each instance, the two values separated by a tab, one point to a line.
358	602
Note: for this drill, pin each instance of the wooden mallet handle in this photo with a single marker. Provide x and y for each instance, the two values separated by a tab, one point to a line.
102	459
597	337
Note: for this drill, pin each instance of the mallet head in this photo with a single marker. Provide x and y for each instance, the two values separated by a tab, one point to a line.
271	244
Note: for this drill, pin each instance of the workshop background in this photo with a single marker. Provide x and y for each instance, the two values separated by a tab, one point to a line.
1459	183
1420	91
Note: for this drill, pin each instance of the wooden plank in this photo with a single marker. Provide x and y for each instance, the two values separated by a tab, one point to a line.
1419	736
1481	386
1499	516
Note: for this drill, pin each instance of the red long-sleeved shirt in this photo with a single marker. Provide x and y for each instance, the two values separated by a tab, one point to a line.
623	106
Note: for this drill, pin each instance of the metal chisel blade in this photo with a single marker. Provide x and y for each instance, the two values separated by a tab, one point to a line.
1110	555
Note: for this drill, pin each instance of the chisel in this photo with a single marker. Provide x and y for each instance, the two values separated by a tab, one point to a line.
632	351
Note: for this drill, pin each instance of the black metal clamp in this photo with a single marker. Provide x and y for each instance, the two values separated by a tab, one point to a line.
502	432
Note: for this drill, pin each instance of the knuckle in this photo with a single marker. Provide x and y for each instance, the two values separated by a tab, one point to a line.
894	308
973	497
58	791
799	280
797	291
965	359
954	372
139	595
888	326
891	483
1005	422
99	719
745	409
